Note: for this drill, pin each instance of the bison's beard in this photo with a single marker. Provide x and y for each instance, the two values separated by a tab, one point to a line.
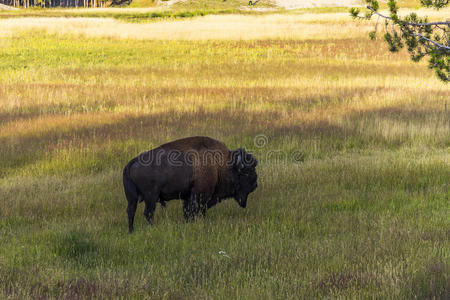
241	199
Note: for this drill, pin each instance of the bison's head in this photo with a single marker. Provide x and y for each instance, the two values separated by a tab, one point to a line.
246	179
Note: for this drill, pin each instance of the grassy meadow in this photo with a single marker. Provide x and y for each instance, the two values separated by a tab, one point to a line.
353	144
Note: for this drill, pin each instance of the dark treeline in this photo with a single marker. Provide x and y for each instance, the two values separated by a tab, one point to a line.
54	3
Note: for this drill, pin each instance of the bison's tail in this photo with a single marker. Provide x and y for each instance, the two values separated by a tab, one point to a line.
132	193
131	190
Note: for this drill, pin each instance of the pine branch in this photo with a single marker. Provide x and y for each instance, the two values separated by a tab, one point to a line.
431	41
409	23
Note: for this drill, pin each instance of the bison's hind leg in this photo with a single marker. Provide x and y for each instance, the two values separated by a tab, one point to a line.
150	205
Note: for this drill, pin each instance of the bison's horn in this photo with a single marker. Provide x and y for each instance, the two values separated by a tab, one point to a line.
239	162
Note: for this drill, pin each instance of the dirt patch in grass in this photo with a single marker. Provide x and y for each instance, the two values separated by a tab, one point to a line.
294	4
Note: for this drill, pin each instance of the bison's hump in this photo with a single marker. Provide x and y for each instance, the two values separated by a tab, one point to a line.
195	143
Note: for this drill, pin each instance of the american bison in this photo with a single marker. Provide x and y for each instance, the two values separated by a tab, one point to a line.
199	170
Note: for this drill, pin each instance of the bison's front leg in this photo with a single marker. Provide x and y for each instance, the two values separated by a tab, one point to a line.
150	205
204	202
203	210
190	207
197	203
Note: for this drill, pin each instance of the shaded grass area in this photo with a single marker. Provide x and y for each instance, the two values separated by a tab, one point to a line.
353	193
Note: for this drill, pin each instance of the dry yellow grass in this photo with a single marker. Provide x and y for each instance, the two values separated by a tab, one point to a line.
328	26
217	27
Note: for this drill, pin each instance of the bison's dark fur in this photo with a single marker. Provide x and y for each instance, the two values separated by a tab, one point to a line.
199	170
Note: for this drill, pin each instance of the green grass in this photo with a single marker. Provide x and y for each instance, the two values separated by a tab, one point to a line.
125	16
142	3
362	214
170	15
220	4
